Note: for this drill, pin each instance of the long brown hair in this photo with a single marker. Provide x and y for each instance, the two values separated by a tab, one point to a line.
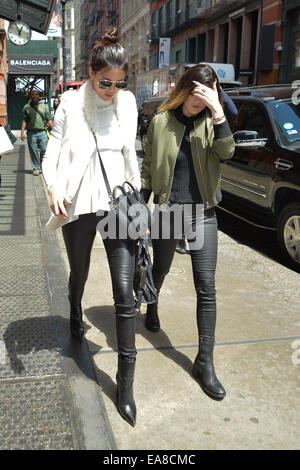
202	73
108	53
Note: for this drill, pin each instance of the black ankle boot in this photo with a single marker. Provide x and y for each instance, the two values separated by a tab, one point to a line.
180	248
204	371
76	323
126	404
152	321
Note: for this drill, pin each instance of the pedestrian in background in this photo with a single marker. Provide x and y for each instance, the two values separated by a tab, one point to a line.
186	141
35	119
73	175
56	103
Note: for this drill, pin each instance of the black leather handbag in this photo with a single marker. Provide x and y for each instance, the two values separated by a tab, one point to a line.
143	284
126	207
131	213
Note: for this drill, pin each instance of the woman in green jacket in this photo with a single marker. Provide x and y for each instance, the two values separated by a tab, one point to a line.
186	141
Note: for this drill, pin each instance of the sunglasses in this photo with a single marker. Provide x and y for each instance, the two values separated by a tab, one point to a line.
104	84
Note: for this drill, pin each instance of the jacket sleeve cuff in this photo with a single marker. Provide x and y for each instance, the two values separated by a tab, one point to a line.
222	130
145	193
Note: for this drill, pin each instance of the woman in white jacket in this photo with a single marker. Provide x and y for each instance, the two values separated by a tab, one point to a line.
78	195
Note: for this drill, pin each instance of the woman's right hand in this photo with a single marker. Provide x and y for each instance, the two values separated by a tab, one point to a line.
209	96
58	203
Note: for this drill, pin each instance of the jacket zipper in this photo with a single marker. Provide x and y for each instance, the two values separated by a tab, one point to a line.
206	204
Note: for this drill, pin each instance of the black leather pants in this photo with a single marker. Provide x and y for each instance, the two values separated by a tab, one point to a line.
203	264
79	237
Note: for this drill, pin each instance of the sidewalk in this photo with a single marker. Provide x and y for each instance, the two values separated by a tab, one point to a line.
56	397
257	327
45	377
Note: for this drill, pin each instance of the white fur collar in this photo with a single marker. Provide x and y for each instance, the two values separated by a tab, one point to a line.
82	116
124	102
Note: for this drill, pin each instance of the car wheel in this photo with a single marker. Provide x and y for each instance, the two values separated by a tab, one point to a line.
143	142
288	233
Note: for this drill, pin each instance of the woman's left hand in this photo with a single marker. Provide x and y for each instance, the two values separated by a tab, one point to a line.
209	97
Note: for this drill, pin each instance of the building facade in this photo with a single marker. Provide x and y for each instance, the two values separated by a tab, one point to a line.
96	17
70	40
244	33
77	27
70	43
135	36
3	74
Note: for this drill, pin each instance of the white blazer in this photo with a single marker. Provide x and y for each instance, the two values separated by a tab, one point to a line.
64	166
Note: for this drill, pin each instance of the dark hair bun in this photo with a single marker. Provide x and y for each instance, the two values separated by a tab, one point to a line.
108	52
110	37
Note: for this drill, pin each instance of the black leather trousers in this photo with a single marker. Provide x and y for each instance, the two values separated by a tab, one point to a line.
79	236
204	261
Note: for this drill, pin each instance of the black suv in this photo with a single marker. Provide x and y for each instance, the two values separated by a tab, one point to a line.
261	183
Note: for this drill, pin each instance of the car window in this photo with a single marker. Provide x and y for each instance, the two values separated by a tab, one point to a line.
250	118
286	114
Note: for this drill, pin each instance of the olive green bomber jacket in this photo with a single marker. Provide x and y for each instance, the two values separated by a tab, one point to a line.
163	142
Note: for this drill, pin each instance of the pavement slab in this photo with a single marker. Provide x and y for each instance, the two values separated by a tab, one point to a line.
258	412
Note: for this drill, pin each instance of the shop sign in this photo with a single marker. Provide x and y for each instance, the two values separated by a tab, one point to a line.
30	64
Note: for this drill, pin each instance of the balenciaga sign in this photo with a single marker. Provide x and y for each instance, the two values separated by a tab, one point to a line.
33	64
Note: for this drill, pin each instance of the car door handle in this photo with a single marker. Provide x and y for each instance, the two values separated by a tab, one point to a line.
283	164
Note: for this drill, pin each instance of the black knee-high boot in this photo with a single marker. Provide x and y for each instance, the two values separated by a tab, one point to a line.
76	323
126	403
152	322
203	368
126	365
78	237
163	253
204	371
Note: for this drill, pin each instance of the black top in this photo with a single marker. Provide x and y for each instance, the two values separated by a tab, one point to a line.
184	188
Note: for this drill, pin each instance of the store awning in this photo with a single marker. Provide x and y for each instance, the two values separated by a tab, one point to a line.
36	13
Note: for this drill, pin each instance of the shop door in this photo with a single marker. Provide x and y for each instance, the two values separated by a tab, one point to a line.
19	90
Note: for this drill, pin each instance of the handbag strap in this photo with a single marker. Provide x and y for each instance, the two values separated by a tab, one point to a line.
103	170
37	111
111	193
